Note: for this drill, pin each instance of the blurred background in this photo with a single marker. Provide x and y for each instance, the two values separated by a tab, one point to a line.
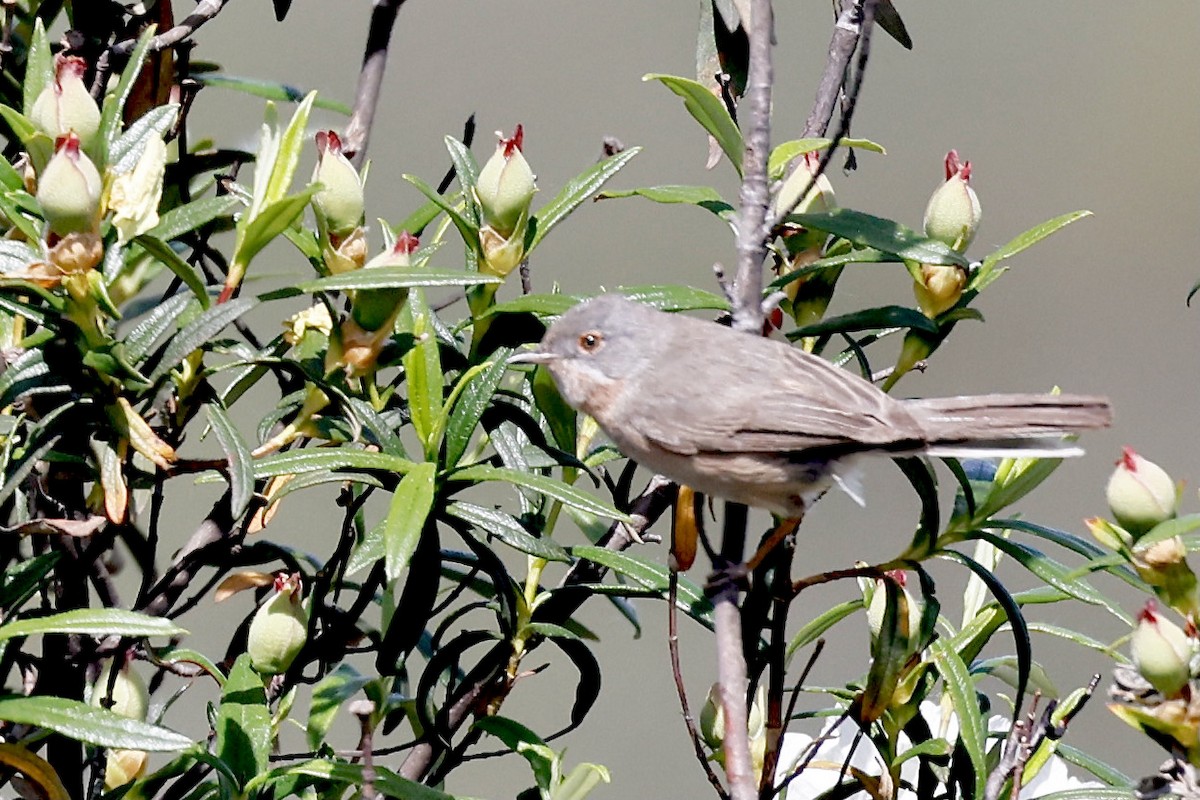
1059	106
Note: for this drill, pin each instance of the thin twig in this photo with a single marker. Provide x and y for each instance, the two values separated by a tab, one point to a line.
842	45
370	78
205	10
754	198
681	690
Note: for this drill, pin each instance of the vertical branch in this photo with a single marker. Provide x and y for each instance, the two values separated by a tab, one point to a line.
370	78
755	196
841	47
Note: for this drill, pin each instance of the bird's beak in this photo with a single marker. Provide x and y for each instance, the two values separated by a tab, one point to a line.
533	357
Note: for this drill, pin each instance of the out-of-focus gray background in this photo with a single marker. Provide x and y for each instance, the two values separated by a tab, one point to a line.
1059	106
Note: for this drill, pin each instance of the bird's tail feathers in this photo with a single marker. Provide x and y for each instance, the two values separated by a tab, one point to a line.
1003	425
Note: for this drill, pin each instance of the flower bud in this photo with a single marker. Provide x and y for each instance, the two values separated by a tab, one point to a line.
953	213
500	255
124	766
69	189
820	196
1161	651
505	186
279	629
939	288
314	318
712	718
65	105
1111	536
1140	493
133	197
339	202
348	255
1163	565
129	696
375	309
911	625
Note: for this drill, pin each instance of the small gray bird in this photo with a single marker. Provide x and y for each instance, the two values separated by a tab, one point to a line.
763	423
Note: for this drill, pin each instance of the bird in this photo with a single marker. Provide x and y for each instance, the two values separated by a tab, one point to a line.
758	421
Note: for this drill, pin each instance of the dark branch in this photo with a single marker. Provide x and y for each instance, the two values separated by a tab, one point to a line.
370	78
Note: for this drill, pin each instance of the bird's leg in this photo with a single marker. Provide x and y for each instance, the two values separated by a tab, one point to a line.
738	573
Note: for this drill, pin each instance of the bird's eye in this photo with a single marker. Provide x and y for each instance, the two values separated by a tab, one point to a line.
590	342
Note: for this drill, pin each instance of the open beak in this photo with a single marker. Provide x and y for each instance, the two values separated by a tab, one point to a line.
533	357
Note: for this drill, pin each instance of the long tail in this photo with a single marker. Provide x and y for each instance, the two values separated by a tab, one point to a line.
1008	424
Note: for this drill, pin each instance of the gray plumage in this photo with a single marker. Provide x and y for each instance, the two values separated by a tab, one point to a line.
761	422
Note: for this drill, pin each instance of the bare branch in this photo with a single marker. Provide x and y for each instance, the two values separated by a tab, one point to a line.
752	230
842	45
370	78
205	10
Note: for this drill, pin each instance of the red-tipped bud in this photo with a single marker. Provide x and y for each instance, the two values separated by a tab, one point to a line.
1161	651
953	213
65	105
339	203
1140	493
506	186
279	628
69	189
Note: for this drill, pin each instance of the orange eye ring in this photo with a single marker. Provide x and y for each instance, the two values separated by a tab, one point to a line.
591	341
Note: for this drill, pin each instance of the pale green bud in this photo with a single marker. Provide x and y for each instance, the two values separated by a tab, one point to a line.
1161	651
129	695
374	309
500	255
339	203
65	105
69	189
506	186
279	629
1111	536
953	213
820	196
124	766
939	288
712	718
908	606
1140	493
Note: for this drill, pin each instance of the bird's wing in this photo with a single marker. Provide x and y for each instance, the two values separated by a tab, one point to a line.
780	400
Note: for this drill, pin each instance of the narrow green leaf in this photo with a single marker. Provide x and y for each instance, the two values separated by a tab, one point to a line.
1026	476
473	400
987	271
287	158
542	305
237	453
268	90
114	102
124	153
468	231
244	722
92	622
972	731
199	332
415	222
191	216
671	297
707	109
166	255
18	582
881	234
19	220
406	517
704	197
327	697
324	459
384	278
39	66
650	576
546	485
1106	773
508	530
783	154
868	319
10	179
464	166
423	376
270	223
164	316
811	631
387	783
577	190
96	726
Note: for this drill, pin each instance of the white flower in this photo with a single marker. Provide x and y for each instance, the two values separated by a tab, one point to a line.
134	195
824	770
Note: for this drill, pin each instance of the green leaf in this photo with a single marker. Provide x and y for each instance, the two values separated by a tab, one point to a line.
1081	639
1052	572
244	722
1106	773
161	318
269	223
114	102
324	459
415	222
237	453
868	319
1022	477
287	158
124	153
811	631
199	332
327	697
473	400
464	167
651	576
671	297
881	234
704	197
93	622
466	229
546	485
411	503
268	90
783	154
19	581
542	305
987	271
387	783
166	255
96	726
191	216
577	190
509	530
423	377
384	278
39	66
19	220
707	109
521	740
972	731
